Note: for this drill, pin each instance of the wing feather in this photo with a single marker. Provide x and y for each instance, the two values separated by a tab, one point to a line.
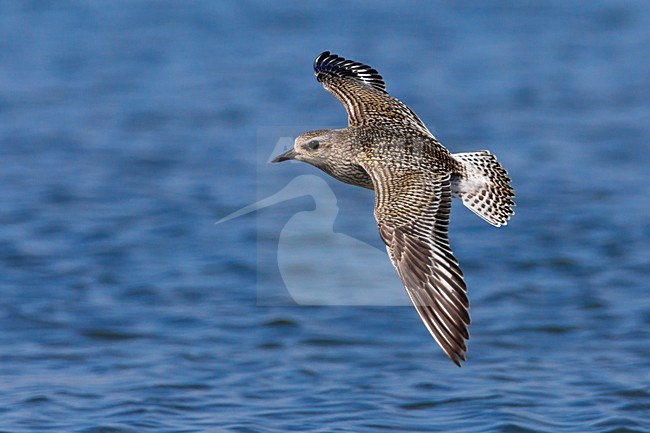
362	92
412	212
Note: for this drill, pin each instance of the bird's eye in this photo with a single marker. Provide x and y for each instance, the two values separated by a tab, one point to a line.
313	145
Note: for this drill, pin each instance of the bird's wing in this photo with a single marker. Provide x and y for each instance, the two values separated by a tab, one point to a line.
362	91
412	212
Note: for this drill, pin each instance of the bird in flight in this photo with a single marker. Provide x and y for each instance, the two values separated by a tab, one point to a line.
387	148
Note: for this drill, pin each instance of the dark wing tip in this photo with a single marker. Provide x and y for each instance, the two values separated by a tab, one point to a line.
332	65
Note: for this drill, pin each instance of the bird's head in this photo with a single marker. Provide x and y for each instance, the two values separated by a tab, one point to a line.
312	147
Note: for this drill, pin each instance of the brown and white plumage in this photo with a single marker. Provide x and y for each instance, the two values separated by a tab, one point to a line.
362	92
387	148
417	244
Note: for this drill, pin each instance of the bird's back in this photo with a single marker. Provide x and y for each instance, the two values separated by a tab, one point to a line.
403	149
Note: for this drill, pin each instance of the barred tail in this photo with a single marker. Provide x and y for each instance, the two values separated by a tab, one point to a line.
484	187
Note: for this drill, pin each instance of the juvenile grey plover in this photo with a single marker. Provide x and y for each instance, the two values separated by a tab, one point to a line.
387	148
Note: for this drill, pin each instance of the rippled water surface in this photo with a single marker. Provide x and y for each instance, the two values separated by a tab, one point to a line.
128	128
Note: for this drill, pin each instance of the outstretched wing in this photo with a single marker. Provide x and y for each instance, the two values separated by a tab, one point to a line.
362	91
412	212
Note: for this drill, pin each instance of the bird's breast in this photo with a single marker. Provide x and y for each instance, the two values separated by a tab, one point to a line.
350	173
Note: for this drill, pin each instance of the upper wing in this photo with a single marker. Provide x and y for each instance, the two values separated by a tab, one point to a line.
412	212
362	91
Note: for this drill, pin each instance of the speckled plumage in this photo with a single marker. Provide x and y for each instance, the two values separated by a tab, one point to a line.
387	148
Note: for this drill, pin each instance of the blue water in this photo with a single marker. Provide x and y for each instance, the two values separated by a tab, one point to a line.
128	128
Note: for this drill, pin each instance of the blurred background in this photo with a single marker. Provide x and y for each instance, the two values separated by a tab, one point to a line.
130	127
